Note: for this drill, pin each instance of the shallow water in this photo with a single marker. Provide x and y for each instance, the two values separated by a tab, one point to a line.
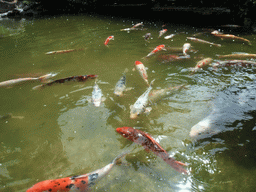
63	134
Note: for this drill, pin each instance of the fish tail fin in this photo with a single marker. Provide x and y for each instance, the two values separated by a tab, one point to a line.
151	83
177	165
45	78
119	157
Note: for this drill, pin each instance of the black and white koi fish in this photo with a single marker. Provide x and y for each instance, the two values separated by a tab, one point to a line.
121	84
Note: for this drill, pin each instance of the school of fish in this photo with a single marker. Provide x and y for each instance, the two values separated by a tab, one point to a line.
85	182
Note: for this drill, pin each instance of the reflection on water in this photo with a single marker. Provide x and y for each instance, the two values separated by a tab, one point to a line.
63	134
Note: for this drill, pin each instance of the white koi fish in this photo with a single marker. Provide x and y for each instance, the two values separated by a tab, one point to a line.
169	36
121	84
12	82
203	41
185	48
141	103
96	95
142	70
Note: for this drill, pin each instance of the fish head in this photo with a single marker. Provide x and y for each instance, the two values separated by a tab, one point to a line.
134	112
126	132
138	63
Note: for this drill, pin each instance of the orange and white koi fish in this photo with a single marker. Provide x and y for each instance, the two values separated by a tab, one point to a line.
137	25
229	36
157	49
201	64
185	48
81	183
108	39
140	105
203	41
149	143
238	55
12	82
142	70
163	31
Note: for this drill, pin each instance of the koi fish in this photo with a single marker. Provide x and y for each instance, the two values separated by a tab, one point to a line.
121	84
12	82
137	25
158	48
169	36
133	29
142	70
149	143
81	183
157	95
108	39
227	63
239	55
185	48
202	63
96	95
169	58
229	36
140	105
203	41
147	36
163	31
81	78
9	115
60	51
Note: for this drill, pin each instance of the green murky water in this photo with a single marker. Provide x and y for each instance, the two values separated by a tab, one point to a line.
63	134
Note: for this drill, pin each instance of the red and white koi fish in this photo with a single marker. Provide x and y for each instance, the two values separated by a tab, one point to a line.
229	36
238	55
185	48
238	63
203	41
140	105
81	183
163	31
80	78
201	64
142	70
149	143
108	39
157	49
137	25
12	82
60	51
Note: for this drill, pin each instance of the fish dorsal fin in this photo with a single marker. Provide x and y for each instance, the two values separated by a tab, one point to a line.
79	176
159	148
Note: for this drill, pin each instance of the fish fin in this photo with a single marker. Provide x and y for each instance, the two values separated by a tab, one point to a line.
180	163
175	165
120	157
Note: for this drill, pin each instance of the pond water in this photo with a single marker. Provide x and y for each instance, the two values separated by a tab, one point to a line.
60	133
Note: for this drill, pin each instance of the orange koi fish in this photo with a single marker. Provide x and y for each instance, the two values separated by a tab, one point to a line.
158	48
73	78
12	82
108	39
81	183
142	70
163	31
150	143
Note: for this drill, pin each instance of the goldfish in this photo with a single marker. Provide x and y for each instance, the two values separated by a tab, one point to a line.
81	183
163	31
149	143
96	95
12	82
185	48
202	63
108	39
142	70
158	48
121	84
157	95
238	55
229	36
203	41
140	105
81	78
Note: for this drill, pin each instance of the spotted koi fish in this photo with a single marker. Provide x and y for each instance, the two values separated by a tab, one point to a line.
163	31
201	64
142	70
147	36
81	183
157	49
81	78
149	143
12	82
108	39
